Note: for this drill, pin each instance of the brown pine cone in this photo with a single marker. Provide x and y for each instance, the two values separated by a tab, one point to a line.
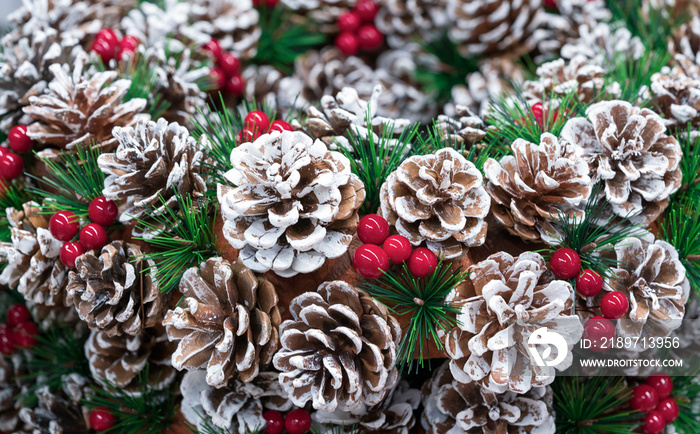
454	407
115	291
12	374
229	323
686	40
530	188
438	199
515	297
627	148
58	412
676	95
463	130
325	13
338	350
602	43
401	21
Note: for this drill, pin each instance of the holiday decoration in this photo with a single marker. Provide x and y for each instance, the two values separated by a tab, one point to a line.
64	225
614	305
565	263
422	262
599	332
373	229
398	248
662	383
589	283
644	398
370	261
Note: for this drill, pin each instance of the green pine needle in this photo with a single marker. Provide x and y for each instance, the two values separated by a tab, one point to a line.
632	74
690	163
686	392
423	299
13	197
681	228
477	154
653	26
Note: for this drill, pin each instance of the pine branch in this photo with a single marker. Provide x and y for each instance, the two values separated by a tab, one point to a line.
14	197
653	26
634	75
681	228
686	392
434	140
690	163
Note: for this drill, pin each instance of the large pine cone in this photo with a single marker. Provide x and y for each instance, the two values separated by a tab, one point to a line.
463	130
438	199
601	43
627	148
515	297
58	412
295	203
676	95
116	291
401	21
533	186
229	323
454	407
339	350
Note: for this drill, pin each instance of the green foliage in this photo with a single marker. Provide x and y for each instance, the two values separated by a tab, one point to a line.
634	74
686	392
653	26
681	228
477	154
14	197
690	163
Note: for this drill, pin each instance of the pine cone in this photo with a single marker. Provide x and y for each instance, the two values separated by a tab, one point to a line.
602	43
325	13
676	95
230	322
152	161
686	40
295	203
32	257
115	291
627	148
515	297
120	360
338	350
530	188
156	26
58	315
454	407
438	199
80	110
266	85
58	412
463	130
402	21
11	375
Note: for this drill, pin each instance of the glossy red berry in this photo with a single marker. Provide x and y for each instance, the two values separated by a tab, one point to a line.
280	126
256	121
70	252
217	78
271	3
235	85
93	236
7	341
349	22
245	135
11	165
101	419
538	112
370	261
214	48
422	262
373	229
599	332
128	46
662	383
106	44
369	38
230	64
398	248
668	408
64	225
614	305
18	139
297	421
17	314
644	398
103	211
551	4
653	423
275	422
589	283
366	10
25	334
565	263
347	44
108	35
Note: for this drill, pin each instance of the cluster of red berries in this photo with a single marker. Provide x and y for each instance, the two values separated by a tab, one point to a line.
371	261
257	123
102	419
357	31
108	45
64	226
654	399
19	331
296	422
11	163
226	73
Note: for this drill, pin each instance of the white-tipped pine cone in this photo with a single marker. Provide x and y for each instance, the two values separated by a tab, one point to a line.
338	350
463	130
294	205
401	21
323	12
156	26
686	40
676	95
12	377
627	148
515	298
602	44
438	199
58	411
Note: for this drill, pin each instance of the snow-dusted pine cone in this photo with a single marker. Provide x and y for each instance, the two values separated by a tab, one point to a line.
463	130
158	24
323	12
267	85
58	412
676	95
32	257
116	291
438	199
603	43
229	323
530	188
401	21
338	350
11	375
455	407
628	149
515	297
294	205
152	161
686	40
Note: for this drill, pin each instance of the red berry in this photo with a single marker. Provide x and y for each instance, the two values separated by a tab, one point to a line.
106	44
349	22
644	398
373	229
217	77
93	236
128	45
370	261
271	3
538	112
565	263
669	409
7	341
17	313
653	423
230	64
298	421
108	35
599	332
280	126
235	85
662	383
103	211
256	121
398	248
552	4
25	334
18	139
347	44
614	305
101	419
11	165
214	48
70	252
275	422
245	135
64	225
589	283
366	10
369	38
422	262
